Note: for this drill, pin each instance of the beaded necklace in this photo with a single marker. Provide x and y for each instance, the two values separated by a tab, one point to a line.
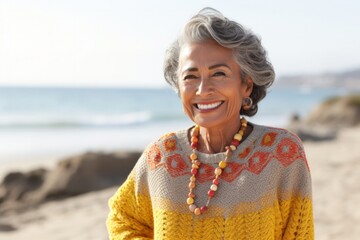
222	165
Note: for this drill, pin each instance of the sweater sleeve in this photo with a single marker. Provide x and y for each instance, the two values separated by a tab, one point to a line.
297	209
130	214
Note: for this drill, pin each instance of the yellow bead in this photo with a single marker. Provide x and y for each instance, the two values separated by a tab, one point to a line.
243	120
232	147
218	171
238	136
192	179
195	131
197	211
190	201
222	164
193	156
195	166
244	124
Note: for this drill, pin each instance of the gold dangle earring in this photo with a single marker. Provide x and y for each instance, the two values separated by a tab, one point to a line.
247	103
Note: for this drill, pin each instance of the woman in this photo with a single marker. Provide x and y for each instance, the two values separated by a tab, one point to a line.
223	178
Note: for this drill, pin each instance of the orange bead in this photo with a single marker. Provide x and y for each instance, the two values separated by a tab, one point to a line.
193	156
191	185
194	166
218	171
192	179
197	211
194	139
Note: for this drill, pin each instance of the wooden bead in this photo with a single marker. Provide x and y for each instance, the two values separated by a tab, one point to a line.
213	187
218	171
194	166
203	209
192	207
211	193
235	142
216	181
192	178
191	185
190	201
222	164
197	211
238	136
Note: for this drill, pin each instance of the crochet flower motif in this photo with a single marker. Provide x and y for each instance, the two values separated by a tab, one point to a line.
232	171
258	162
153	156
269	139
287	151
170	145
206	173
176	165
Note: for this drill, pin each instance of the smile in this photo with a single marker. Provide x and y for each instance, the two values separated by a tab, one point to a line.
208	106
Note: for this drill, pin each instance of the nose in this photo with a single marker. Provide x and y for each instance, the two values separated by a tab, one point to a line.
205	87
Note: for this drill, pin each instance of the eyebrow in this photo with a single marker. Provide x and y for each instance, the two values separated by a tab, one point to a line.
194	69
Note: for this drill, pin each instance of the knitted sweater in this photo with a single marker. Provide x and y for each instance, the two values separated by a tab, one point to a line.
264	192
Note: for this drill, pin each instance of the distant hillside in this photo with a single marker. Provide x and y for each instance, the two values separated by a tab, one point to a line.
347	79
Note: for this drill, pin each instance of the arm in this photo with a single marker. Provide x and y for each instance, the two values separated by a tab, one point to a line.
130	214
297	209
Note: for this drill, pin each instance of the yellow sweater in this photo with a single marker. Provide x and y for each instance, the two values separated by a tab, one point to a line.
264	193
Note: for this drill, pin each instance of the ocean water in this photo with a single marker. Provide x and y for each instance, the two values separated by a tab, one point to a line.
72	120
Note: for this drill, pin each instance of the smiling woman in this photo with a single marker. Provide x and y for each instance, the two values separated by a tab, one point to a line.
224	178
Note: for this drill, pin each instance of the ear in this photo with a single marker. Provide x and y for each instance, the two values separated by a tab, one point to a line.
247	87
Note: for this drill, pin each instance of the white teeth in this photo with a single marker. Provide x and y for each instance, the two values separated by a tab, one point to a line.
208	106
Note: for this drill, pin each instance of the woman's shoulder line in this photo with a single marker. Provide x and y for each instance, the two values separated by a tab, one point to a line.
280	131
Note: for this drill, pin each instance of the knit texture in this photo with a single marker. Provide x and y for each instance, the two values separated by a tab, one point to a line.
264	192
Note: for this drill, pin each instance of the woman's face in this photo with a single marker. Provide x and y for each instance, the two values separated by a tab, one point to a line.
210	86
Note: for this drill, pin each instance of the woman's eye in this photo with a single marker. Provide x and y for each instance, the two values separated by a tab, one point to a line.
219	74
188	77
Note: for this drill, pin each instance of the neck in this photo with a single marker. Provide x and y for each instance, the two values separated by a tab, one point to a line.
215	139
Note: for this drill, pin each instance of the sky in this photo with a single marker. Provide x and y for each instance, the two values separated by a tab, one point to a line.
115	43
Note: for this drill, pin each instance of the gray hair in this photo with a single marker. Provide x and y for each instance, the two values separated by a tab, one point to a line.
209	24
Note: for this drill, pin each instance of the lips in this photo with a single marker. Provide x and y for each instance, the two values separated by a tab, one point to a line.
208	106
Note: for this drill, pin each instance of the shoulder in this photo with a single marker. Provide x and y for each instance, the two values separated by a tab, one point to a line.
279	145
272	137
163	147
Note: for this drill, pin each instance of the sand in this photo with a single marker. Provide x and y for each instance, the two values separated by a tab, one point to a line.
335	167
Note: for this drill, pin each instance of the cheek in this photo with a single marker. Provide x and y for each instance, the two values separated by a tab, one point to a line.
234	105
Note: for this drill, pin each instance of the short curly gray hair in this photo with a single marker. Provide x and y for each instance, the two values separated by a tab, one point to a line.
210	24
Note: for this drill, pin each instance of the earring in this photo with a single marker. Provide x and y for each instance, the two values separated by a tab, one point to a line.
247	103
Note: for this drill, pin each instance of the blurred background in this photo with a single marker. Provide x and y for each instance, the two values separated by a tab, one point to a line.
86	76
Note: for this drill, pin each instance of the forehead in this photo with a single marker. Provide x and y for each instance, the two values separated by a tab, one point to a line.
205	53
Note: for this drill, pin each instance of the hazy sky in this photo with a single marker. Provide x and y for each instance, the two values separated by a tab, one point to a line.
122	43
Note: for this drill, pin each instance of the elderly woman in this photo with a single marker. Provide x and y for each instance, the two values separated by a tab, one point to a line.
223	178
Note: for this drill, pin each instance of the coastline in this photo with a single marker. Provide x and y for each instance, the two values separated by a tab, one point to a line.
334	166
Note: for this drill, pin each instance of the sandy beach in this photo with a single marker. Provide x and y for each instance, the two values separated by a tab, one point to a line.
336	193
